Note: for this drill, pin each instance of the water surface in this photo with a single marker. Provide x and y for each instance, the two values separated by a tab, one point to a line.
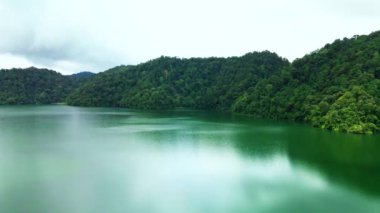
69	159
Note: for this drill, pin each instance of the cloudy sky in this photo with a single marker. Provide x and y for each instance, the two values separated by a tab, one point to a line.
76	35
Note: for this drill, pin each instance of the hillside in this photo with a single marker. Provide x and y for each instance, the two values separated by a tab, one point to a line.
36	86
336	88
165	83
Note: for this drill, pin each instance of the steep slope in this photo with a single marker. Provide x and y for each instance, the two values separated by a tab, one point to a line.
336	88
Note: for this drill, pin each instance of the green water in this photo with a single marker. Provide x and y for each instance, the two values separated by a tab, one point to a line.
67	159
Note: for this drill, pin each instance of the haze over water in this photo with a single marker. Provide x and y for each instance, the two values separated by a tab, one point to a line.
69	159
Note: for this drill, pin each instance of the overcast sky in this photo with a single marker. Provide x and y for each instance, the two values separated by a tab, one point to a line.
77	35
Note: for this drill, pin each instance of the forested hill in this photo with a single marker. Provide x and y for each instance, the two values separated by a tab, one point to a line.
36	86
165	83
336	87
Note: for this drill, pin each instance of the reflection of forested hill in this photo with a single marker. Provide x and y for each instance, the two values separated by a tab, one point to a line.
347	159
351	160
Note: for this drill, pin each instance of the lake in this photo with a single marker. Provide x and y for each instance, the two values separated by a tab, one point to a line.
71	159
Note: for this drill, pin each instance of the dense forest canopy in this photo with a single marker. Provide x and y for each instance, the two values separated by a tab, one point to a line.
36	86
336	87
165	83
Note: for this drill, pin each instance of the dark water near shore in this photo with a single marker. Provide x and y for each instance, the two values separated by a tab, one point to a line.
68	159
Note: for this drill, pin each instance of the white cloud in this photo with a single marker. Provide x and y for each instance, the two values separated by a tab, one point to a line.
96	35
8	61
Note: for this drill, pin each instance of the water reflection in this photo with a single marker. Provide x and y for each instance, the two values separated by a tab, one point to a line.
69	159
351	160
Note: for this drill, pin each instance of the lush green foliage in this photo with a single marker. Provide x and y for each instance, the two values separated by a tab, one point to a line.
336	88
164	83
36	86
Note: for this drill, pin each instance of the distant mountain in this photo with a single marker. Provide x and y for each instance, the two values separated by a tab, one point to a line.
84	74
78	79
336	87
